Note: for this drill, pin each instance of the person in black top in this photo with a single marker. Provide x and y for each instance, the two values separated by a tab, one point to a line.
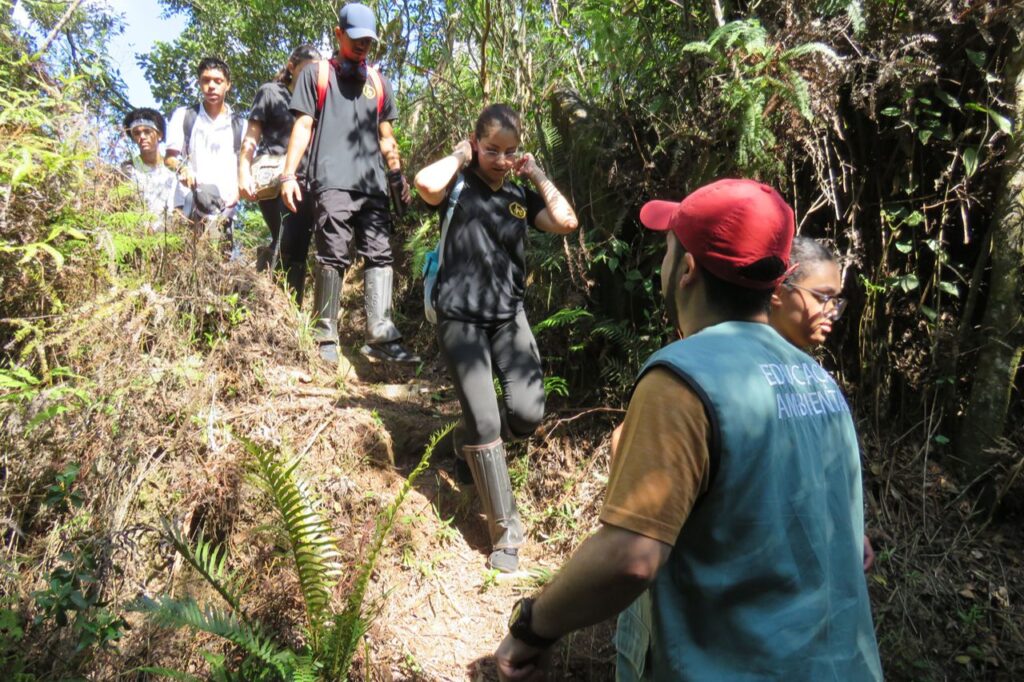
353	159
270	127
482	327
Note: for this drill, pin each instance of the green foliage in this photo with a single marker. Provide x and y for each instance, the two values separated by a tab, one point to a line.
254	38
71	599
333	636
54	393
59	495
750	73
314	552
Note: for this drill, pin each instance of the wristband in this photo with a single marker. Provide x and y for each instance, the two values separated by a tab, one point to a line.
287	177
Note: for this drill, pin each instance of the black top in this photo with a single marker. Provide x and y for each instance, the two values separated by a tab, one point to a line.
345	151
270	108
483	276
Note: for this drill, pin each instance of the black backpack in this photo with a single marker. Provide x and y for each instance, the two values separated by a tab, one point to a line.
237	127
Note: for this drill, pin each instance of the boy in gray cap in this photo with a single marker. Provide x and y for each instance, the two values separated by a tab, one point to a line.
352	163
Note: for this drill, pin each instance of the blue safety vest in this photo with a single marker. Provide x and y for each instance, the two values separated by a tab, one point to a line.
765	581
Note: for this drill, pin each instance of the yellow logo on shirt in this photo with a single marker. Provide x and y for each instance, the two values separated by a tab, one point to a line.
517	210
369	92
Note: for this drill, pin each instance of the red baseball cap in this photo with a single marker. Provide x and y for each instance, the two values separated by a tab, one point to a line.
739	230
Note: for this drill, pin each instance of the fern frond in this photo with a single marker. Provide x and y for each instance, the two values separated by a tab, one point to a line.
305	670
351	624
313	548
697	47
799	93
749	32
209	561
562	318
176	613
173	674
812	48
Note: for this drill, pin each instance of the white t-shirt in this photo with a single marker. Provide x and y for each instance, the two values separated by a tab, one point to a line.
212	157
158	187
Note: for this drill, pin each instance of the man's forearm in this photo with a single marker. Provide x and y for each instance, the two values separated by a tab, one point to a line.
302	131
389	150
604	576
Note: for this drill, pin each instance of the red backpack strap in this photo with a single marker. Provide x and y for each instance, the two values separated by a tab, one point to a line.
378	86
322	75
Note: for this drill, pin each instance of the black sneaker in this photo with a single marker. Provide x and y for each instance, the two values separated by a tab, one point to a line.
391	351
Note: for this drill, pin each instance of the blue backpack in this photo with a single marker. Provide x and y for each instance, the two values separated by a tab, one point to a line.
432	263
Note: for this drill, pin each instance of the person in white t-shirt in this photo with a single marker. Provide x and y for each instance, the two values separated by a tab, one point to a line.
156	184
202	148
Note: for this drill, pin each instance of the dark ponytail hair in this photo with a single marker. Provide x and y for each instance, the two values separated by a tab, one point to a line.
805	253
501	115
302	53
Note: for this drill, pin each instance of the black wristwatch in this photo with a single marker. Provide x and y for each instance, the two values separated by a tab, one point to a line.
519	625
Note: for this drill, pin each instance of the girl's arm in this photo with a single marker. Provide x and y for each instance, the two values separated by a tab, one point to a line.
253	132
432	181
558	217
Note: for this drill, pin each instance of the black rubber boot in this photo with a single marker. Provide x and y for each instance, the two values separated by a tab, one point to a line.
295	278
490	472
326	299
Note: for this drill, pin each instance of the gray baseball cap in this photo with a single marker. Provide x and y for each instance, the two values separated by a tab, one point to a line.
357	21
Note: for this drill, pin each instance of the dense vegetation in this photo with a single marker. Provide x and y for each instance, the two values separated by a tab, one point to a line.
141	379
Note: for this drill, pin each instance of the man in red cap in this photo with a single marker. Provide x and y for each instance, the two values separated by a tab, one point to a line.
731	529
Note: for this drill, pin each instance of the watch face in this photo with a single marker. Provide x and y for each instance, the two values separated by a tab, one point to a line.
516	611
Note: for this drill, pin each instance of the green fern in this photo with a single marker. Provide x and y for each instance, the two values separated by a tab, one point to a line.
173	674
351	624
176	613
210	562
562	318
312	546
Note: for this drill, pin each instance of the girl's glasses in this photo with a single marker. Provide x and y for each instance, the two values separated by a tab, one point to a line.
495	155
837	303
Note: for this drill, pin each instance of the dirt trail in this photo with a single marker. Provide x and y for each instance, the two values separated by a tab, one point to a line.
440	612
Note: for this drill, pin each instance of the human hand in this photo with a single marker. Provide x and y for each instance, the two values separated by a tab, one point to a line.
185	177
869	555
398	183
246	186
464	152
291	195
526	167
520	662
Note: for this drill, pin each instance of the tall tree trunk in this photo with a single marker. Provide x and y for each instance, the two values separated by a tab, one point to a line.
1002	328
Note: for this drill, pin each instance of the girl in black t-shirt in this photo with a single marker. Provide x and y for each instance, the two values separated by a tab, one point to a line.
270	127
482	329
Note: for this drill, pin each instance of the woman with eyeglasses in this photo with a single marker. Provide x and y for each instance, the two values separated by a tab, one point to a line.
482	328
806	304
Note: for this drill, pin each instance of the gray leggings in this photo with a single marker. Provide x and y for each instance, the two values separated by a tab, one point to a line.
474	352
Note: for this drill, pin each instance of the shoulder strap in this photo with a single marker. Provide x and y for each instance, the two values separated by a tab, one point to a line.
378	86
453	199
323	73
190	122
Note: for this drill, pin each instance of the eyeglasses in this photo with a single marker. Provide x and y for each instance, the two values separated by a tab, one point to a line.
494	155
838	303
